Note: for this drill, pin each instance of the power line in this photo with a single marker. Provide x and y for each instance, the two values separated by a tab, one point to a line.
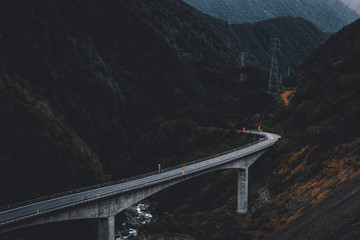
229	11
242	59
286	69
318	19
284	62
343	13
329	13
355	12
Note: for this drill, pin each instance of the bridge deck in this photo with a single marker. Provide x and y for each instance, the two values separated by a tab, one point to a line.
28	211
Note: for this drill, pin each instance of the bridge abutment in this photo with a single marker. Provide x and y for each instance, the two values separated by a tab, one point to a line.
106	228
242	190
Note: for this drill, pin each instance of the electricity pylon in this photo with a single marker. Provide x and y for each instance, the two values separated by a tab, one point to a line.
275	79
242	60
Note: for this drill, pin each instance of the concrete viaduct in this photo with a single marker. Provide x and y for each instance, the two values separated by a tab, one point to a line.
105	201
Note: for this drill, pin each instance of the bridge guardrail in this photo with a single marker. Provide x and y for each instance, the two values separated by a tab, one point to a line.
84	189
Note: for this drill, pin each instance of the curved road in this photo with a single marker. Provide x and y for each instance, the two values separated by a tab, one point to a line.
28	211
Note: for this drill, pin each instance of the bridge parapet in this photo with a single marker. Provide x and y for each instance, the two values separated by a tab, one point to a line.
105	201
97	186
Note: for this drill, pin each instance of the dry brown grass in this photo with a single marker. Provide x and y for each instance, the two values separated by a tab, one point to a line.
295	216
285	96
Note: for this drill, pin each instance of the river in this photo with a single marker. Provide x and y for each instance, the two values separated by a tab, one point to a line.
132	218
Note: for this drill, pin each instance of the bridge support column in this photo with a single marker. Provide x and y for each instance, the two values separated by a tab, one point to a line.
106	228
242	190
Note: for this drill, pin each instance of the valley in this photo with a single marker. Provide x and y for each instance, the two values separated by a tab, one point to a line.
92	92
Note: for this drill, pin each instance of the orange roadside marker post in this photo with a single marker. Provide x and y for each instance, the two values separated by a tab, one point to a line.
243	129
159	167
183	169
259	128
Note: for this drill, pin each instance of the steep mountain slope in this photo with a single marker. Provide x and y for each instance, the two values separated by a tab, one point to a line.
324	125
111	71
39	154
107	68
298	38
329	16
311	179
102	80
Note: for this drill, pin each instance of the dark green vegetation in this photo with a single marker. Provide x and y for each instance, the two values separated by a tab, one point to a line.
39	153
91	88
328	16
324	116
109	72
313	176
297	39
179	141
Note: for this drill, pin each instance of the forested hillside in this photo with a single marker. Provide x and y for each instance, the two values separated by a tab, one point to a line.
313	175
298	37
94	88
110	71
39	153
322	142
312	178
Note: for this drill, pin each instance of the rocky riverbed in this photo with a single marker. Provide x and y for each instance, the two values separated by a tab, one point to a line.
133	218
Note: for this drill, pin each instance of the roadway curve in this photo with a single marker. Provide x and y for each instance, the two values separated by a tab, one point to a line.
47	206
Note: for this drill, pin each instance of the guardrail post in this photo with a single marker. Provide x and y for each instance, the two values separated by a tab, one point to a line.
106	228
242	190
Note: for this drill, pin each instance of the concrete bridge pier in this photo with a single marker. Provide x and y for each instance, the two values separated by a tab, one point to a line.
106	228
242	190
105	202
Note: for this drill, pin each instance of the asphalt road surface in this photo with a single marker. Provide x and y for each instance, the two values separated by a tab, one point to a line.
34	209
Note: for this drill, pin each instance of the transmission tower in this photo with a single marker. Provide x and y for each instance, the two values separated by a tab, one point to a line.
242	59
275	79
